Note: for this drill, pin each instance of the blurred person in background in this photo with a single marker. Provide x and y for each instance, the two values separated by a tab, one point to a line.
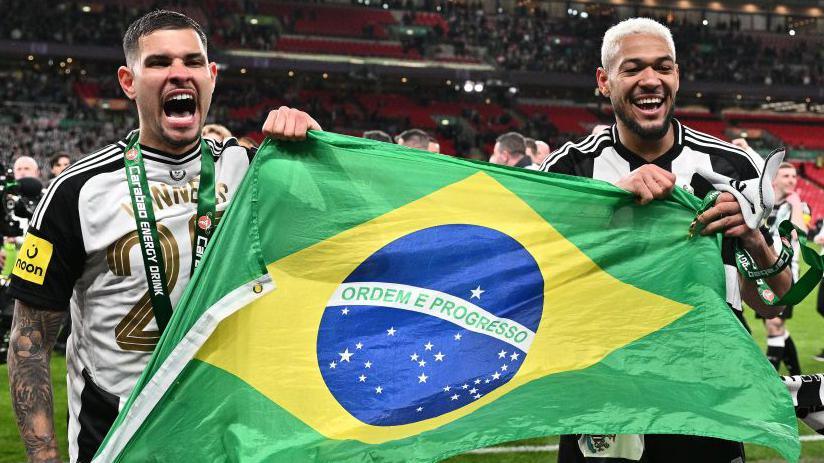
57	164
510	150
788	206
247	142
414	138
26	166
541	153
378	135
216	132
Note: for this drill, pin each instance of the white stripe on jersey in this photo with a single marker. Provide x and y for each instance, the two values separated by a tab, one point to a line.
610	166
587	145
92	161
733	288
712	142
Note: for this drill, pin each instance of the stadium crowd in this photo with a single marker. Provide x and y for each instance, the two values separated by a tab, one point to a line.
522	39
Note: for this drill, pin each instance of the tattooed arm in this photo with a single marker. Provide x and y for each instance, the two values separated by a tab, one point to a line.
33	334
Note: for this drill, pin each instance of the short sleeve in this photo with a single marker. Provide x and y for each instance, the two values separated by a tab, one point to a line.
52	256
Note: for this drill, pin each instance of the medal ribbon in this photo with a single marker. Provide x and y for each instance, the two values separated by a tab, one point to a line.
749	269
150	247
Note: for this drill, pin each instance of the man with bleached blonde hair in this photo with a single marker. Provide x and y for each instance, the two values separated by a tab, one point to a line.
647	152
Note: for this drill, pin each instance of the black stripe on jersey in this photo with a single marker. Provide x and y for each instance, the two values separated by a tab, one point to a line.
583	153
156	155
98	410
732	162
59	223
218	148
708	140
105	155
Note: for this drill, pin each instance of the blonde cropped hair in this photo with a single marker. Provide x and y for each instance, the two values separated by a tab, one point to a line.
632	26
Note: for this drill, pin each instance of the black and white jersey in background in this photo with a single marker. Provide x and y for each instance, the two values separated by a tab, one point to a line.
85	257
602	156
807	392
780	212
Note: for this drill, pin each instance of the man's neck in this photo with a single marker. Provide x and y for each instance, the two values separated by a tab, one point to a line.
649	150
174	150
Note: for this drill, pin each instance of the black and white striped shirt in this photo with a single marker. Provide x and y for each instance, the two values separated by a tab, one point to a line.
602	156
94	269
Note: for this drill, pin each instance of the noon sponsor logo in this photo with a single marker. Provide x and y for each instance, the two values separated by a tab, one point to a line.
33	259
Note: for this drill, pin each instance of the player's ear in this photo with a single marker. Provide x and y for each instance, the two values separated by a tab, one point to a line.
602	78
677	77
126	78
213	72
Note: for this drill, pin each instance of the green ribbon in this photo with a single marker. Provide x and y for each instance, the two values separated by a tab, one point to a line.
150	247
801	288
749	269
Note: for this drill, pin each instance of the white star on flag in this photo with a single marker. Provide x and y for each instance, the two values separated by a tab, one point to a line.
486	381
439	357
359	346
428	345
345	355
368	364
473	390
496	375
391	331
476	293
455	397
514	356
345	311
477	396
422	378
457	337
333	365
414	357
362	378
419	409
501	354
422	363
504	367
478	381
378	390
465	386
447	388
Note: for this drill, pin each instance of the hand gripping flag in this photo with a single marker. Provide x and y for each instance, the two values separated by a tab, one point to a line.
362	301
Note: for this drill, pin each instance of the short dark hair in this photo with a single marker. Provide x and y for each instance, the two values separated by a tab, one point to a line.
155	21
55	158
513	142
378	135
414	138
530	145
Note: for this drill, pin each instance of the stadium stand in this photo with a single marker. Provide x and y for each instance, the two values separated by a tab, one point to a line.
531	41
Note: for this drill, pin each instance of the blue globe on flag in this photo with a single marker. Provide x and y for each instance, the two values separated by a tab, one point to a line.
430	323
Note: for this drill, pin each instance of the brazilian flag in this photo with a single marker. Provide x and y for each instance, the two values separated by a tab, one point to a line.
362	301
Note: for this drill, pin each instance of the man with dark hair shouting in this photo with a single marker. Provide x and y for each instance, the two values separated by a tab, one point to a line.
117	235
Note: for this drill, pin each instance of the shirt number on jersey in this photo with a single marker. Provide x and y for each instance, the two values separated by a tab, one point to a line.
131	333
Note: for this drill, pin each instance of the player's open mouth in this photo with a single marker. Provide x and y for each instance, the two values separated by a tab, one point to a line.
180	107
649	104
